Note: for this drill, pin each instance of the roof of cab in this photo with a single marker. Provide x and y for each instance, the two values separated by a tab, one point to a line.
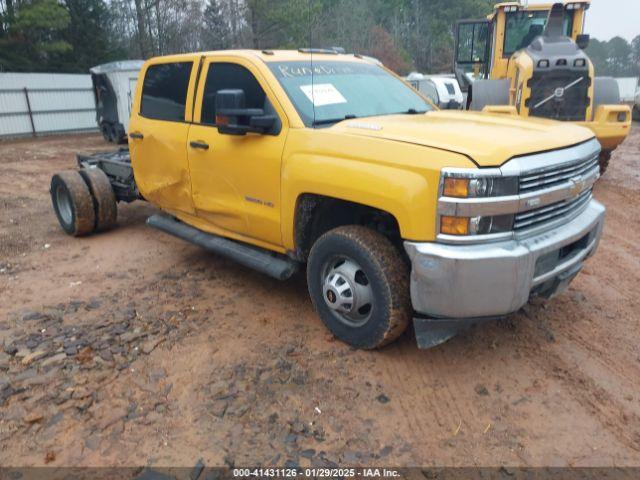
537	6
272	55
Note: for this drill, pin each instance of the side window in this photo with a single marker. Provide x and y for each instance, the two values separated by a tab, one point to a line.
428	89
164	91
222	76
450	88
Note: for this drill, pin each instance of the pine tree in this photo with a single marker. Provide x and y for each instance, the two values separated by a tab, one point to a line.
216	35
88	35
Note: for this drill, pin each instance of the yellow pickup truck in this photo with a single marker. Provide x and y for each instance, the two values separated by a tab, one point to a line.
400	212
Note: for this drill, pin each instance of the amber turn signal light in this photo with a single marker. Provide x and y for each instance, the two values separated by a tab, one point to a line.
456	187
454	225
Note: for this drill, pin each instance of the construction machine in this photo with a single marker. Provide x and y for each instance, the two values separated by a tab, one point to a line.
529	60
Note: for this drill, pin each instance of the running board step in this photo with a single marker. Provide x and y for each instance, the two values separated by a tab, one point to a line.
264	261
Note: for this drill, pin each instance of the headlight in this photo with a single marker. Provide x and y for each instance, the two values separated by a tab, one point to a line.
479	187
476	187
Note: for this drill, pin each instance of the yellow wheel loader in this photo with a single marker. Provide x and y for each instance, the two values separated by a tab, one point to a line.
529	60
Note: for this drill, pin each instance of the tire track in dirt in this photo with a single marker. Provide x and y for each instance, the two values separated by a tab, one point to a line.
610	413
602	356
441	408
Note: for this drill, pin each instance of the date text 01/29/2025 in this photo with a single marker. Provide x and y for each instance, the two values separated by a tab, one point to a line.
316	472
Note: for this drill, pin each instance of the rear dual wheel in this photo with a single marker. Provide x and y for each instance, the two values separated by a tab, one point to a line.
83	201
104	200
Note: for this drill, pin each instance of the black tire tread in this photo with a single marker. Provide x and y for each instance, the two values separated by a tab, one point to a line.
603	161
105	206
388	260
82	202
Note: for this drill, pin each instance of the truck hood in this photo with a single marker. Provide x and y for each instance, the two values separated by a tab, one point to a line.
488	139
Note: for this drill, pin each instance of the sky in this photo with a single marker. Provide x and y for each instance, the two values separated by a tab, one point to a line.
610	18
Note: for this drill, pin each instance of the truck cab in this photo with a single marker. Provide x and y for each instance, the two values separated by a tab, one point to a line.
400	212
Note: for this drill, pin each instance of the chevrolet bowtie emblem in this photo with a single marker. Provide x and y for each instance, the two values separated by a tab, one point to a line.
577	185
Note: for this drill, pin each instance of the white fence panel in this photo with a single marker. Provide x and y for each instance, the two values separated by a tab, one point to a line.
45	103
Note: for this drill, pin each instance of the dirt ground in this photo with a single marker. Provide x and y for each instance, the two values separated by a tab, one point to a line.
135	348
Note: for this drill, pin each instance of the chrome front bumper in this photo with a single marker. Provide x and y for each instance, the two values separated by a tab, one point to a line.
494	279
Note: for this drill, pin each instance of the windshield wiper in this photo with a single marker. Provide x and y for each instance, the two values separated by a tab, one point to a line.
326	121
413	111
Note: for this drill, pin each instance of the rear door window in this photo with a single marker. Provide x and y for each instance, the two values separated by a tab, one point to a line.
164	92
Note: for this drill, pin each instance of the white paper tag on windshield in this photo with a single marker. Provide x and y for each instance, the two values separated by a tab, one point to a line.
323	94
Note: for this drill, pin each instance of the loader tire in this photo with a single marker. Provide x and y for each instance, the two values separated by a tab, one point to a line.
603	160
358	265
104	200
72	203
105	130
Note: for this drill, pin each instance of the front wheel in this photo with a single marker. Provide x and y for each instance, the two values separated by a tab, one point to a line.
603	160
359	285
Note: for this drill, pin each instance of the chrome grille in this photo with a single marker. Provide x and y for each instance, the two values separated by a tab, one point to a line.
556	175
563	209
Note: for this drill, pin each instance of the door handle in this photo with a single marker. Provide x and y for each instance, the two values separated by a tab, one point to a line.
200	145
136	135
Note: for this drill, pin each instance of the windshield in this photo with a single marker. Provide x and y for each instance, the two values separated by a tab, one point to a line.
522	27
342	90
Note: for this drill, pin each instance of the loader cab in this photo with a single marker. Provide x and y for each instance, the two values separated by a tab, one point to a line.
484	48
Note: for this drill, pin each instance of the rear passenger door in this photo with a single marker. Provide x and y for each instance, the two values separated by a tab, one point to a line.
236	179
158	133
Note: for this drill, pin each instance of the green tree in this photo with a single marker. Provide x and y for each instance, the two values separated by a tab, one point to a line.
88	35
619	57
33	37
216	33
597	51
635	55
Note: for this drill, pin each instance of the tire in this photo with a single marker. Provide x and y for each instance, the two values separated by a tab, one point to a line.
72	203
104	200
104	129
603	160
112	134
605	92
121	135
374	272
488	92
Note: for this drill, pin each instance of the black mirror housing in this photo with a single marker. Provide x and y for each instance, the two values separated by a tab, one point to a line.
582	40
233	118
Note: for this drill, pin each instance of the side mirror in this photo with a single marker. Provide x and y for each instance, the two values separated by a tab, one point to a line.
233	118
582	40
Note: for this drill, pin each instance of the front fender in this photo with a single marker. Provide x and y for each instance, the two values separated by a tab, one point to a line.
395	177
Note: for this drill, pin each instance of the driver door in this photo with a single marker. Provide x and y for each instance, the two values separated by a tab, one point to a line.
236	178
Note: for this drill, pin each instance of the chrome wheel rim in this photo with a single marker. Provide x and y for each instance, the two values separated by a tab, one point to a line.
347	291
64	205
